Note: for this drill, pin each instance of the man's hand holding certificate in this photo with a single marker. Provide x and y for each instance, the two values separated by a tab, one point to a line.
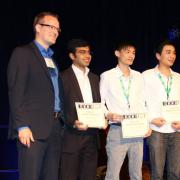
91	114
171	111
135	125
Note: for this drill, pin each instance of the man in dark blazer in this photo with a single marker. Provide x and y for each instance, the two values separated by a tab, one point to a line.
36	102
79	149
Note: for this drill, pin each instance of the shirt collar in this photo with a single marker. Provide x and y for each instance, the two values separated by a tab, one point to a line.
158	72
45	53
120	73
79	72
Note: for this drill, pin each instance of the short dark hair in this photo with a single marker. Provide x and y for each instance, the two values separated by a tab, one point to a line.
39	17
75	43
124	44
163	43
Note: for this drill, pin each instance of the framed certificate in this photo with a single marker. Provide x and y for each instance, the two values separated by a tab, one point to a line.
171	111
91	114
135	125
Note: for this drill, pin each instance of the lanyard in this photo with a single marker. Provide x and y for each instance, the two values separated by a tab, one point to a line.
126	91
169	85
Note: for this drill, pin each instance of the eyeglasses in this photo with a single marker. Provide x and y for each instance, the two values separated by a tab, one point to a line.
52	27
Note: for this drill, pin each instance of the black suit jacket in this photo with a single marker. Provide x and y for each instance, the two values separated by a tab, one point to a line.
31	92
72	94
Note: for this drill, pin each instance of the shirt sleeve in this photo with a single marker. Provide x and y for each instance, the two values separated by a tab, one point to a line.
103	92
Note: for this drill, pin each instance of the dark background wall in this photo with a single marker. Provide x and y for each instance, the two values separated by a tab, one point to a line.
102	22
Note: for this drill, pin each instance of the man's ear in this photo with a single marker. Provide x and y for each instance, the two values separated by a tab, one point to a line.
71	56
37	27
158	56
117	53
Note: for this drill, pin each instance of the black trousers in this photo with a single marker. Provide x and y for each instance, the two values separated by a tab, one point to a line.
41	160
80	165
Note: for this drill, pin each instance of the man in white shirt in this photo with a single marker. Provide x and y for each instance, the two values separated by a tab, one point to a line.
121	89
162	87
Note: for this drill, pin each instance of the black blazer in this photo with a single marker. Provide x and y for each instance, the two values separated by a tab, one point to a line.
72	94
31	92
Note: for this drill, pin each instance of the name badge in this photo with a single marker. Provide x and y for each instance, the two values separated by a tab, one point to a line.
49	63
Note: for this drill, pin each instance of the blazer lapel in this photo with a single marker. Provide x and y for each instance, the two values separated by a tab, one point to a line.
41	61
93	88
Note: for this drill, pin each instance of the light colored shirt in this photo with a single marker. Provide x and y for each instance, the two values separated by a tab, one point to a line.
113	96
84	83
156	94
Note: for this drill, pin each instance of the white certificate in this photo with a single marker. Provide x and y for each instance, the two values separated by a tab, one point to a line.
135	125
171	111
91	114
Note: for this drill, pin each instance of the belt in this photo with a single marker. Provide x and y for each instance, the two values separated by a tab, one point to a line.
115	124
56	115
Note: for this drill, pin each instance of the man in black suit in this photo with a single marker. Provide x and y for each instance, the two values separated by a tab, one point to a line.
36	103
79	149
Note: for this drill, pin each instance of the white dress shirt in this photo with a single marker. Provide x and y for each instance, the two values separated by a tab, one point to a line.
156	94
84	83
112	94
